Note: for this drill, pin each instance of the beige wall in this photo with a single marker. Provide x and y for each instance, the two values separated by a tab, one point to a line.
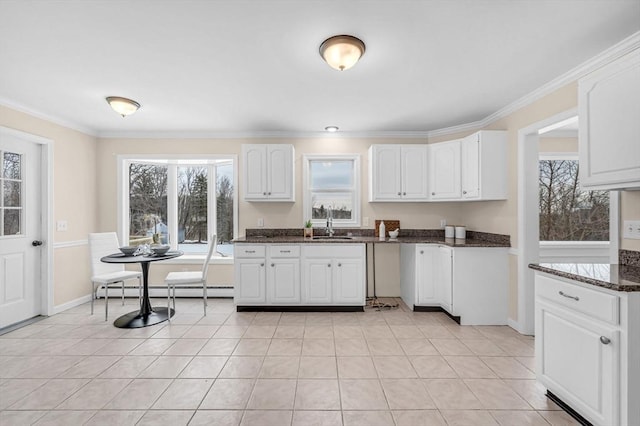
74	199
629	210
557	145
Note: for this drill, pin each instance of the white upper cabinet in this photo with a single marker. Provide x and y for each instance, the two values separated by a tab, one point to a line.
609	129
444	170
483	163
268	172
398	173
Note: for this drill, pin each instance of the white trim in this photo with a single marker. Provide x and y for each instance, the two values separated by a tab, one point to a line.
66	244
574	251
514	324
50	118
614	226
513	251
71	304
558	156
357	190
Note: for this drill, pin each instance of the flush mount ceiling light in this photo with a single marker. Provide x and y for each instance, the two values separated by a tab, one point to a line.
123	106
331	129
342	51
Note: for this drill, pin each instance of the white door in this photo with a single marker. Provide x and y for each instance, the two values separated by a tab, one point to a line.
284	281
444	170
279	172
250	278
444	278
414	172
348	285
470	166
20	226
317	281
425	275
255	171
386	173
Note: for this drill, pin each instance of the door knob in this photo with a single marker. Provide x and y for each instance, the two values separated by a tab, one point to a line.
605	340
36	243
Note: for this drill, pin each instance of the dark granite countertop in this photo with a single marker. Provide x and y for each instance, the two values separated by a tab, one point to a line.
614	277
365	236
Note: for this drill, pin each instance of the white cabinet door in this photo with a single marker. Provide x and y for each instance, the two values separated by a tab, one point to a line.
470	166
426	258
255	171
250	281
575	362
385	173
444	277
283	281
414	172
348	282
609	110
444	170
316	281
280	172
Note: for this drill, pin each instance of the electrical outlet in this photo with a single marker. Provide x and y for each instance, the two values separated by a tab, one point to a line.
260	222
631	229
365	221
443	223
61	226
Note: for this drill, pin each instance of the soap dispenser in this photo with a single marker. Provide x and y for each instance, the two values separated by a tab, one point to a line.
382	231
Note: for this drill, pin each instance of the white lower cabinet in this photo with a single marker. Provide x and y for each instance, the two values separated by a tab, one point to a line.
469	283
585	338
333	274
307	274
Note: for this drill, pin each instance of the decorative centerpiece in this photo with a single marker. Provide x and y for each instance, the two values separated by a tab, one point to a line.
308	229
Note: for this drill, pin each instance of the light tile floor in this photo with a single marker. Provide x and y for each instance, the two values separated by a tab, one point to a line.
390	367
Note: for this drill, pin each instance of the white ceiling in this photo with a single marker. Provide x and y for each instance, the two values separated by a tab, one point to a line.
253	66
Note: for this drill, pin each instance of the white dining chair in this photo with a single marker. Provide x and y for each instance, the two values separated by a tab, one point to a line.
103	274
175	279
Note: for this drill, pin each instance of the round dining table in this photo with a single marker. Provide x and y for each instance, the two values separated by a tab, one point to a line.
147	315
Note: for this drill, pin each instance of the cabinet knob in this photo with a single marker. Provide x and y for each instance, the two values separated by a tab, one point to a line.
464	192
421	251
339	264
273	264
329	265
264	193
404	193
605	340
262	264
399	193
269	193
433	193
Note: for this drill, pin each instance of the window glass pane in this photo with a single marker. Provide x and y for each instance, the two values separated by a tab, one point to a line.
11	165
224	208
12	193
341	205
192	209
147	203
331	174
566	212
11	225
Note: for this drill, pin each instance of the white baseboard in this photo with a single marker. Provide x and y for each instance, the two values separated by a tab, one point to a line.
72	304
514	324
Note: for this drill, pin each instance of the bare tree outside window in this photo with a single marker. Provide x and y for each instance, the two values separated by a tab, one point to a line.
566	212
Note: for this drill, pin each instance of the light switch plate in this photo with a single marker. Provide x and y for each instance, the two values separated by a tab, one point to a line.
61	226
260	222
631	229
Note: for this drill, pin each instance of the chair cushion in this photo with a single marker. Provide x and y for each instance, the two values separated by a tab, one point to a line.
184	277
115	277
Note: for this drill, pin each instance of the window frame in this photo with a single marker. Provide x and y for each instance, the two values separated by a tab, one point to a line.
582	251
174	161
307	191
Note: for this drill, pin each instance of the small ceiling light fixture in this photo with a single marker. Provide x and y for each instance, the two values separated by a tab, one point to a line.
123	106
331	129
342	51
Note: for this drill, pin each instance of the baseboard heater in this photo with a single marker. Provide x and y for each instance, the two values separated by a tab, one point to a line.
224	291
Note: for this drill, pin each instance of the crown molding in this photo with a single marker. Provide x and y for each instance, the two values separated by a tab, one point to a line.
265	135
47	117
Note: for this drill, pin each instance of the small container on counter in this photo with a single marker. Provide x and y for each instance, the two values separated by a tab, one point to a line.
449	231
461	232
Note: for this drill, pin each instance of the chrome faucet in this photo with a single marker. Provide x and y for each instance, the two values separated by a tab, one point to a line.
330	230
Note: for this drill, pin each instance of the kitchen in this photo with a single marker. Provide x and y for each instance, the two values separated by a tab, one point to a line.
89	156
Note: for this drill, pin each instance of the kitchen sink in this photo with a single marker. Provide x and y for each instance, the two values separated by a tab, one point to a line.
335	237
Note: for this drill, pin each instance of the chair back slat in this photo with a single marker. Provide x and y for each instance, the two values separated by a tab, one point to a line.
100	245
212	248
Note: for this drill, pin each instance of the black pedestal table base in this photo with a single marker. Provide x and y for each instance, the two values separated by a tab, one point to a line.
136	320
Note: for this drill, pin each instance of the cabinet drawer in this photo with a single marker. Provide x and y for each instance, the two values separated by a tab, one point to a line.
333	251
284	251
593	303
241	250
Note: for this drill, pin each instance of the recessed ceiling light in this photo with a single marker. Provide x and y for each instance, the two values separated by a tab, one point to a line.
123	106
331	129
